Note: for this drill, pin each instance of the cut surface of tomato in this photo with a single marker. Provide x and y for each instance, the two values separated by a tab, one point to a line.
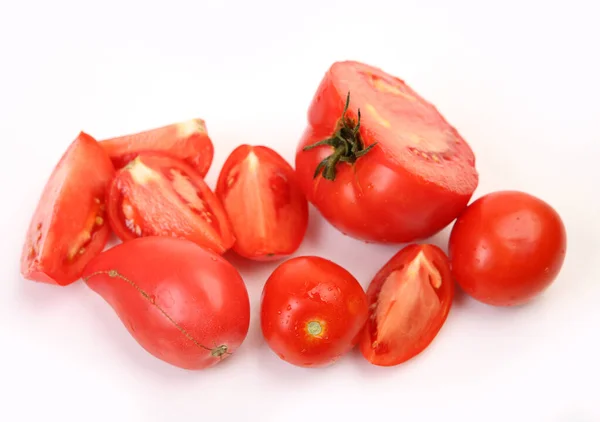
266	207
156	195
379	161
188	141
68	226
409	300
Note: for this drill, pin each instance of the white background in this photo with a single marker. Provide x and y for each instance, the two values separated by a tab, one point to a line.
520	81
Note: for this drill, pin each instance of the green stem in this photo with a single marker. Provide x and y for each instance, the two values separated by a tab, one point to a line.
346	143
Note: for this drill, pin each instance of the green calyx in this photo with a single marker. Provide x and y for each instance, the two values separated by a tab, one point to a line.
346	143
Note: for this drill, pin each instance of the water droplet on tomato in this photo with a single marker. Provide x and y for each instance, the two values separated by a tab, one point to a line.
289	307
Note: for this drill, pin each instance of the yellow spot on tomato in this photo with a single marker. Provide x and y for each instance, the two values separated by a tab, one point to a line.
375	114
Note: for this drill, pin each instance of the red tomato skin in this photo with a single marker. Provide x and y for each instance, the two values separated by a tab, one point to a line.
377	198
271	195
382	355
72	198
168	219
507	248
188	141
307	289
179	301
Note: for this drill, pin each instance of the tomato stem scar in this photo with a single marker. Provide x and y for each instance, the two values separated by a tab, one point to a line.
346	142
314	328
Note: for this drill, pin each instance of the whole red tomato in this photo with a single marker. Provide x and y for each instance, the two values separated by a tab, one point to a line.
182	303
507	247
312	311
409	301
378	161
69	225
256	181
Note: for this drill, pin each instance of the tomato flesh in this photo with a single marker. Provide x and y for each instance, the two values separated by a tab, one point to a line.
409	300
416	173
188	141
182	303
507	248
312	311
256	181
68	227
156	195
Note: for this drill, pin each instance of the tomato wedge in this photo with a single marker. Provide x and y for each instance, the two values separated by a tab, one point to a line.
380	162
68	227
157	195
256	181
186	141
409	300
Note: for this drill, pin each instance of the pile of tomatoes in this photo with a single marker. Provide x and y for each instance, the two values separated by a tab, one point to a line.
379	162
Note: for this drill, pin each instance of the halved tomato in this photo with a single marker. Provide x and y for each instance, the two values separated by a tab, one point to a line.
380	162
256	181
409	300
68	228
187	141
157	195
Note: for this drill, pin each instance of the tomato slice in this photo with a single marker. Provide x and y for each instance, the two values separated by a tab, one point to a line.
68	227
409	300
256	181
157	195
186	141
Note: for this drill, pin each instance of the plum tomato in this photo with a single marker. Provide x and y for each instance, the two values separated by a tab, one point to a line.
184	304
157	195
312	311
507	247
68	227
378	161
409	300
186	141
256	181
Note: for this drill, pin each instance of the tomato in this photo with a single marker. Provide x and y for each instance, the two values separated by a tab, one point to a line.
68	227
256	181
409	300
312	311
186	141
184	304
507	247
378	161
156	195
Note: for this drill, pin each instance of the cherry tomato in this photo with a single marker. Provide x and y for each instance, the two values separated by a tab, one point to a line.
68	227
507	247
256	181
156	195
378	161
409	300
186	141
312	311
184	304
